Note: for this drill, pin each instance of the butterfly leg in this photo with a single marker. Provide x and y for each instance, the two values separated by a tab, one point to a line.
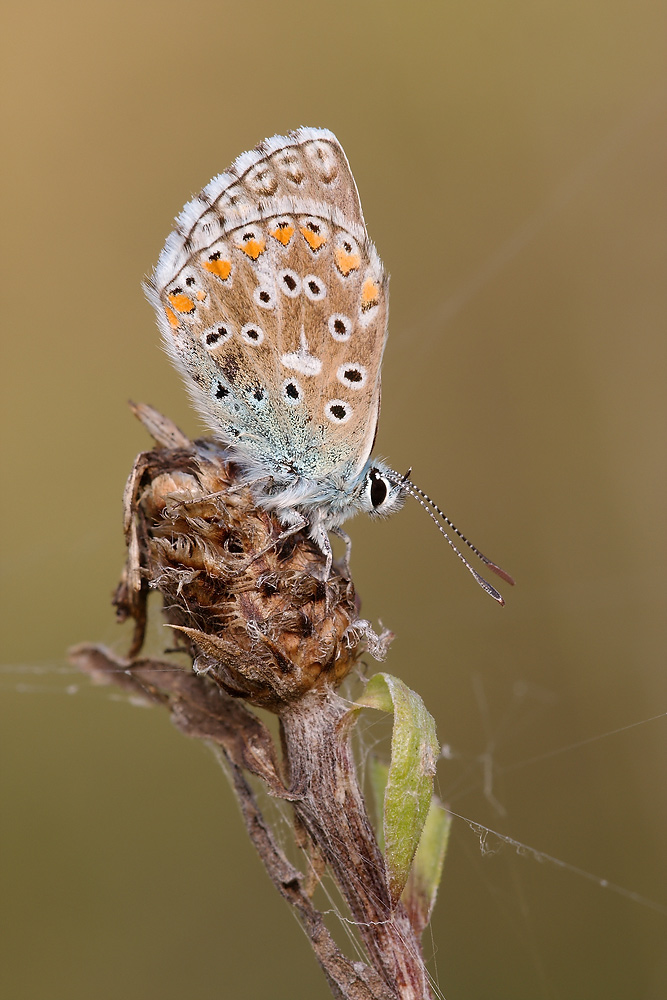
293	522
348	549
249	482
320	536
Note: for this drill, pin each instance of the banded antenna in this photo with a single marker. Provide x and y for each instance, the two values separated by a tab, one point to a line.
432	510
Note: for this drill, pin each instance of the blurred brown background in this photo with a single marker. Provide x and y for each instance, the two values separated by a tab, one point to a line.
510	158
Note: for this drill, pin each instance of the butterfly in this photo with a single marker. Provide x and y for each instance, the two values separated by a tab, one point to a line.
272	302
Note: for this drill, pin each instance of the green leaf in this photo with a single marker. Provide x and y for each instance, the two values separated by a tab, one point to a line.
421	889
409	786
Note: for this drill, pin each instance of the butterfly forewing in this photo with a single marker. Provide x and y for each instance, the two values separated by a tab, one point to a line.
273	304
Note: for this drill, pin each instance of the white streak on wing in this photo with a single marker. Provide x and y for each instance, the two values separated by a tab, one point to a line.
299	361
302	360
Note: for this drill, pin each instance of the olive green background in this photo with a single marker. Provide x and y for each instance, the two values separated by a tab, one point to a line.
510	159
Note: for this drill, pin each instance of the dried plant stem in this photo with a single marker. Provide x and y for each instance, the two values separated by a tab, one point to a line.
331	808
262	630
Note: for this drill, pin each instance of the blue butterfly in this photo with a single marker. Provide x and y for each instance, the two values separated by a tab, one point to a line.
272	302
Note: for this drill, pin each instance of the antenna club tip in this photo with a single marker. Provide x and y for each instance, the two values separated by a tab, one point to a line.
501	573
492	592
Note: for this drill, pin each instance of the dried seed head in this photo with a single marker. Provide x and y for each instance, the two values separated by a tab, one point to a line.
250	610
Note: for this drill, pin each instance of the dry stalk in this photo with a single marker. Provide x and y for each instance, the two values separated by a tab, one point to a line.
261	629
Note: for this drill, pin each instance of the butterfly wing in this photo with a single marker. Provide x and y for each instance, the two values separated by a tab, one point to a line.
272	302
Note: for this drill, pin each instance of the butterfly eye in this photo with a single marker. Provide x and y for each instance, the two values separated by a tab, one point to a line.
379	491
380	494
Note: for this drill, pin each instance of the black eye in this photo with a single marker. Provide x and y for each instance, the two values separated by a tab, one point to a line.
378	490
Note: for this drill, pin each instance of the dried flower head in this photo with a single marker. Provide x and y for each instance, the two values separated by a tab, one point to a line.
246	598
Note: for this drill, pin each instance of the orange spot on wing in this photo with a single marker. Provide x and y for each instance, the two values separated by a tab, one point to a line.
182	303
200	295
171	316
220	268
346	262
314	240
283	234
253	248
370	294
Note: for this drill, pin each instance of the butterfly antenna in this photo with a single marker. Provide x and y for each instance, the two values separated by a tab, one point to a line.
430	507
480	555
